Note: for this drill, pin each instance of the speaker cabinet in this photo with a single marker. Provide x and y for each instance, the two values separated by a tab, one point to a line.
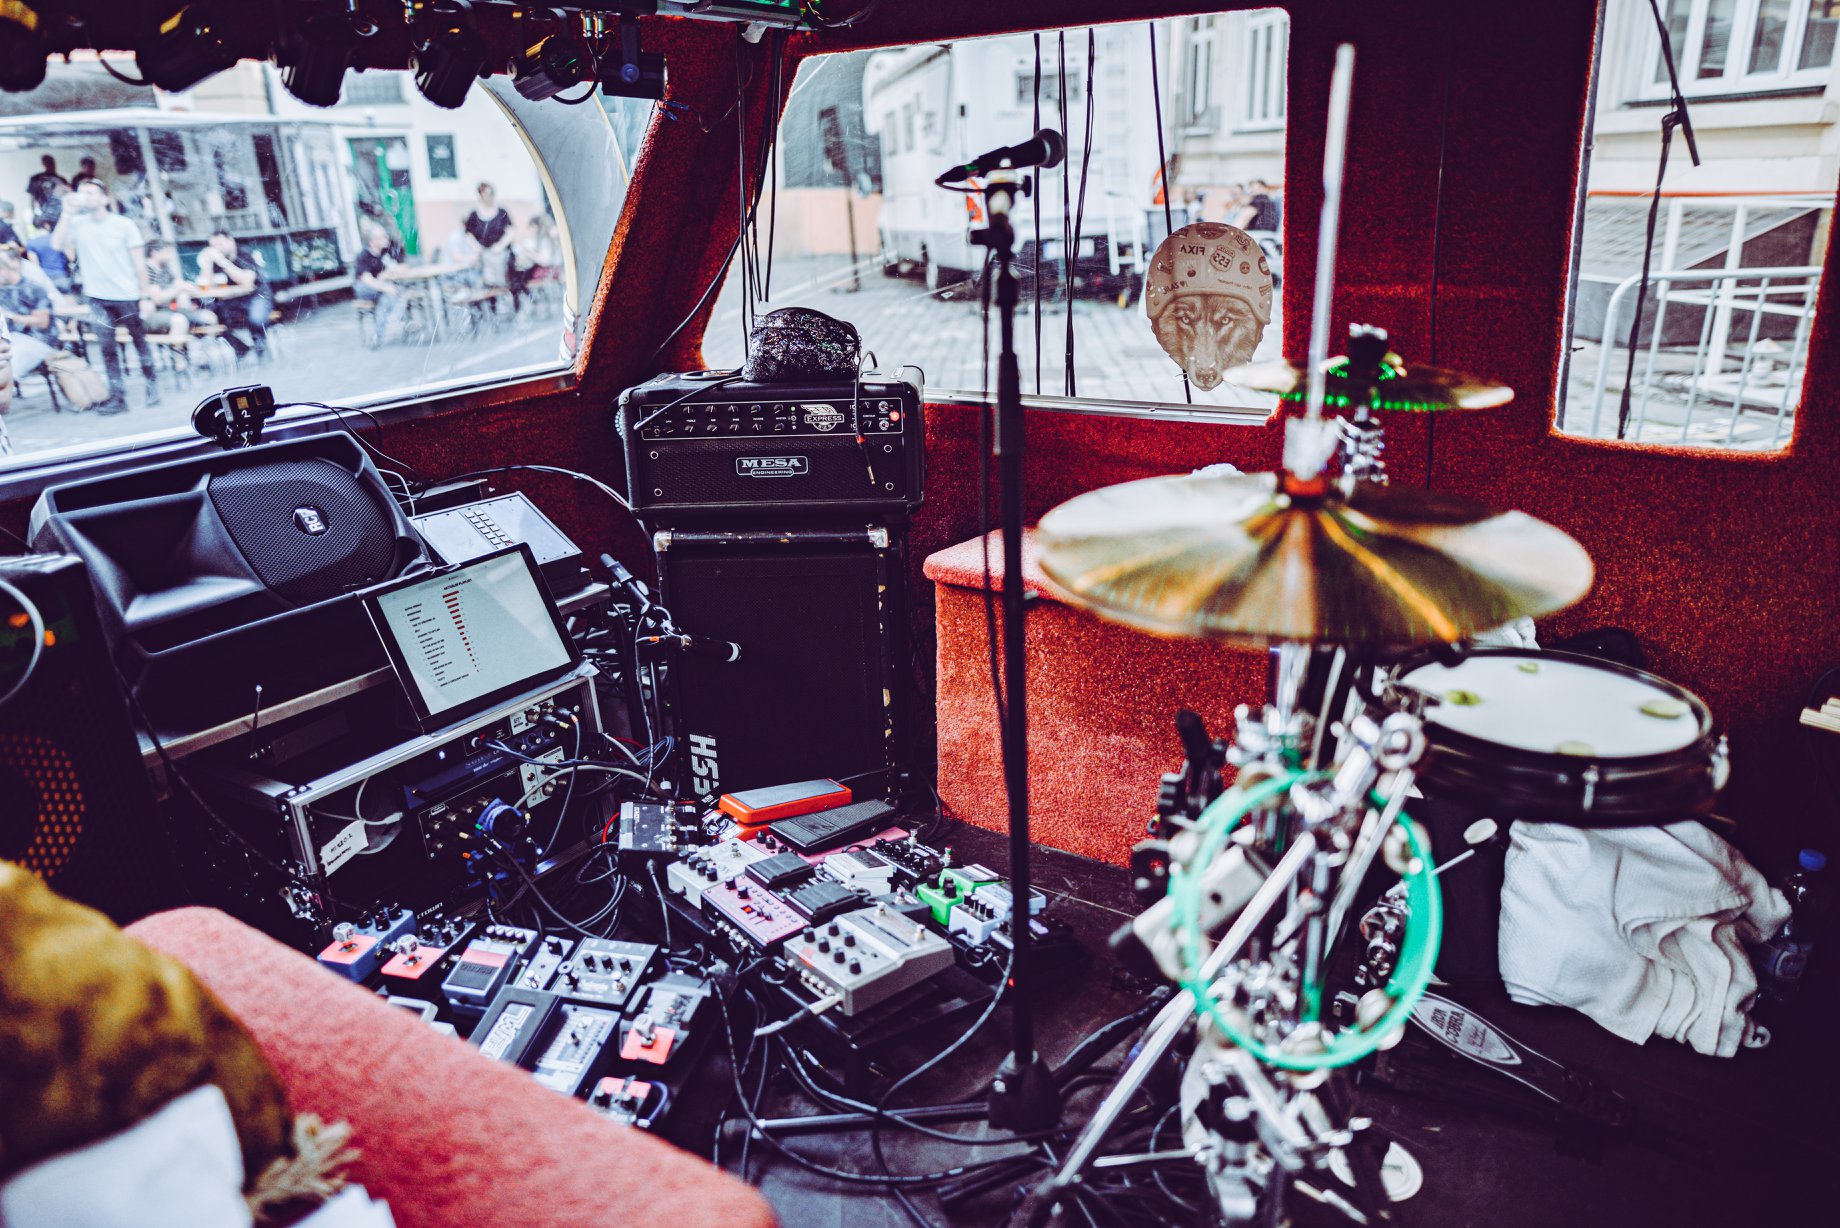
240	566
819	686
75	804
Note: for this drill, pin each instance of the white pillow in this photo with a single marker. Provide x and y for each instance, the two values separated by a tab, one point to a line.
179	1168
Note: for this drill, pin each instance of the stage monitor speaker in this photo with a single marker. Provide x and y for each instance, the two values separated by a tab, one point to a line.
818	689
218	573
76	807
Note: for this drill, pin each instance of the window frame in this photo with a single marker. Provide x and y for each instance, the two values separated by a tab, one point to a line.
1642	63
1265	35
24	476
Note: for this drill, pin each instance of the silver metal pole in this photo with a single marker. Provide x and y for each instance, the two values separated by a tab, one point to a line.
1335	147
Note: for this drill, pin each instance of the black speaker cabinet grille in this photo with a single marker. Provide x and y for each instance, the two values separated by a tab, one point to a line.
815	692
308	528
75	805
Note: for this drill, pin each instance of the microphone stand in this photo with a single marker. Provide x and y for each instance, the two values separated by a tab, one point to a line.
1676	117
1024	1097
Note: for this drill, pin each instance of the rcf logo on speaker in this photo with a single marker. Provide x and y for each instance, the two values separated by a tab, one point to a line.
310	520
772	466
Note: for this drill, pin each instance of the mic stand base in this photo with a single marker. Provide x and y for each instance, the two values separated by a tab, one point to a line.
1024	1099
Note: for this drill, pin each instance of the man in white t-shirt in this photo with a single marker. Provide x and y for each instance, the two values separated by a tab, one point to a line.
111	268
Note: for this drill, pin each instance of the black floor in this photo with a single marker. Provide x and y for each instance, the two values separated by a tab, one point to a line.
1762	1123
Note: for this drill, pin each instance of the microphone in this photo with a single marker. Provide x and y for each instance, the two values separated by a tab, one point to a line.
699	646
1046	148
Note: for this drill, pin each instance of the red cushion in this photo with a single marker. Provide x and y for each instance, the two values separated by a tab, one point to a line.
448	1137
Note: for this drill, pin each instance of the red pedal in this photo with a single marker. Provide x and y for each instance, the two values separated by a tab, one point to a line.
414	965
656	1051
754	807
348	952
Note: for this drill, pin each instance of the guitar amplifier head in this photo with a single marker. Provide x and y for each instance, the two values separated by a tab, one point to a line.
702	447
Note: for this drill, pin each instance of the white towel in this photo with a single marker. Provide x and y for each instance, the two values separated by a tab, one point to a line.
1641	928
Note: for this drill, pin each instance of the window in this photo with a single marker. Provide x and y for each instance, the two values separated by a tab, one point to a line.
1735	46
303	194
891	253
441	157
373	89
1198	75
1266	47
1721	347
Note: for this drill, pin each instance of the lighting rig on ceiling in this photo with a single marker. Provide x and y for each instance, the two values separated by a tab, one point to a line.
179	43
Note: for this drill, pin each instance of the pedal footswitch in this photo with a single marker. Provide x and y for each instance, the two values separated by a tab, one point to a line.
485	967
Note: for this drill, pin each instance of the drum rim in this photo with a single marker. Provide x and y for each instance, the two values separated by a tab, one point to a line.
1443	736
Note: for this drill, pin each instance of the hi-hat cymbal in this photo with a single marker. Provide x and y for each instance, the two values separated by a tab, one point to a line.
1228	556
1415	387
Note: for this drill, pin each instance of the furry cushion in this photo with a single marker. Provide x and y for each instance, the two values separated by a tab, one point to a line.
98	1031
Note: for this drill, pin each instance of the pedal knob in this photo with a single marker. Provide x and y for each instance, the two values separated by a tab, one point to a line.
406	944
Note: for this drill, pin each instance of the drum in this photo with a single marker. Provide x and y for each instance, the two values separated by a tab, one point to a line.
1557	738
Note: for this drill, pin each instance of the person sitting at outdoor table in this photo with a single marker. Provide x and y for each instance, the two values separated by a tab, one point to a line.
9	237
372	284
27	312
55	265
247	302
460	256
489	226
532	256
107	247
169	306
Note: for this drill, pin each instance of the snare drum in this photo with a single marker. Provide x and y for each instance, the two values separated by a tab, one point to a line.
1552	737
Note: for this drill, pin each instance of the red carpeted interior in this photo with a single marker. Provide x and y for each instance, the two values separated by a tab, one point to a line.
445	1136
1462	170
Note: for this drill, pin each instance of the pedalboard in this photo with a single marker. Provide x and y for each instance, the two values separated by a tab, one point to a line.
702	868
549	956
868	956
780	871
573	1052
751	916
411	970
513	1024
987	910
833	828
755	807
359	948
603	972
955	884
666	1019
821	899
653	829
486	966
624	1100
862	869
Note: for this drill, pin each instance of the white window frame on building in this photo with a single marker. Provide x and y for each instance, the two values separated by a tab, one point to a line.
1201	48
1694	54
1264	50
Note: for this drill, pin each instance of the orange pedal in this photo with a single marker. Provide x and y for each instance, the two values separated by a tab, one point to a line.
754	807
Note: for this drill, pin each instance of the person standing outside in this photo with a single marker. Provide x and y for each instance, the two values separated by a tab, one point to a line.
220	263
86	171
108	248
9	237
489	226
42	189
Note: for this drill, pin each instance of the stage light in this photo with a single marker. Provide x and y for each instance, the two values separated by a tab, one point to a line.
630	72
187	46
448	56
22	46
315	52
549	66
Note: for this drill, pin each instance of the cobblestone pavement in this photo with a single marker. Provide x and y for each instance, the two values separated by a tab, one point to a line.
315	356
1116	356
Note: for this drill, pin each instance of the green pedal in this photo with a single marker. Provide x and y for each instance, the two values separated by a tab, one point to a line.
955	884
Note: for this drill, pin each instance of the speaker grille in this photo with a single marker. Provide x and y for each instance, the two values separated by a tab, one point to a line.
40	785
271	511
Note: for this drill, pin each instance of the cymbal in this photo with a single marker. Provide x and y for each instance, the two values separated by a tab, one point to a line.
1228	556
1415	387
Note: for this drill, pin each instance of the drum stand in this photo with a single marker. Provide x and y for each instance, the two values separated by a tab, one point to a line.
1337	830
